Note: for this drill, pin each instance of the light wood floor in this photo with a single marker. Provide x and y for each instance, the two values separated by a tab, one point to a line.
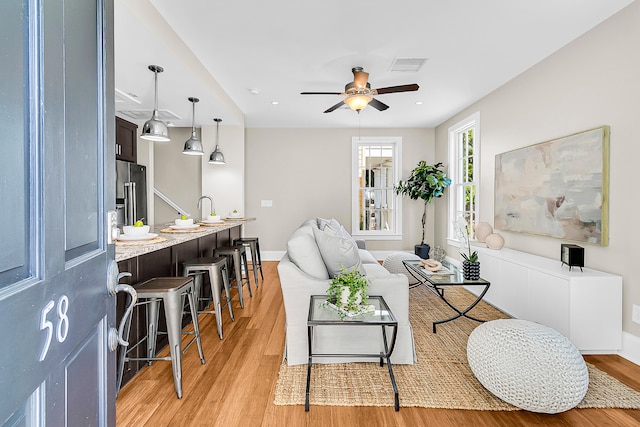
236	385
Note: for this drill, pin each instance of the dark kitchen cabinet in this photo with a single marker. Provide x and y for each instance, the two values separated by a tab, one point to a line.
159	263
126	140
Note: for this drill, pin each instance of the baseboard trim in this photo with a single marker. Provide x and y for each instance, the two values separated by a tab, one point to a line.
272	255
630	347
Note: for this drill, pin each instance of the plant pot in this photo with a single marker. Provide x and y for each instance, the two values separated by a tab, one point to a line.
422	251
344	297
471	270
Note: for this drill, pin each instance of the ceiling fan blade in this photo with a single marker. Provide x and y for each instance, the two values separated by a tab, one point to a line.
360	78
402	88
335	107
320	93
380	106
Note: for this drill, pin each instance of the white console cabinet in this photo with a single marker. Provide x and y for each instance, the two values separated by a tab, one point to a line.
585	306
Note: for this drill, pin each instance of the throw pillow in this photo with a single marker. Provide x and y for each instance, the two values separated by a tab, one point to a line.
337	252
323	222
304	253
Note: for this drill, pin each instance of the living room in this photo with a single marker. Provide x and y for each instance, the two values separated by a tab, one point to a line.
590	82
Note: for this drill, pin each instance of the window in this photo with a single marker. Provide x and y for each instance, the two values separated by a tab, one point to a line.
375	208
464	155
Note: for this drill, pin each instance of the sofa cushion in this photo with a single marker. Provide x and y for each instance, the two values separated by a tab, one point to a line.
337	252
323	222
366	257
304	253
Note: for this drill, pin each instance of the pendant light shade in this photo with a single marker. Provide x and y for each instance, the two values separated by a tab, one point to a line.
217	158
154	129
193	146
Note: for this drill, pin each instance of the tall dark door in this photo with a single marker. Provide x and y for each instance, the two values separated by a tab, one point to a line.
56	184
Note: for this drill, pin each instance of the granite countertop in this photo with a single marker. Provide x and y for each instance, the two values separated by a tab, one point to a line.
124	252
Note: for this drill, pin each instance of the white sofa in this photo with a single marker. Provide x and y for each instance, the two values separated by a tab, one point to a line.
315	252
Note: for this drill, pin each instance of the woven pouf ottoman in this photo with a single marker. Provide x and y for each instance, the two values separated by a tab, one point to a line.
529	365
393	264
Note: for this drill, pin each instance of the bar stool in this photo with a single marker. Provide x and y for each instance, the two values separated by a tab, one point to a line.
218	277
254	245
171	291
238	256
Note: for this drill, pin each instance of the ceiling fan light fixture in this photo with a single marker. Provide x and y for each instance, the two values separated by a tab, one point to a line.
357	102
217	158
155	129
193	146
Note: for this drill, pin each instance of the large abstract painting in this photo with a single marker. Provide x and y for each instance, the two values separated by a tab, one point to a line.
557	188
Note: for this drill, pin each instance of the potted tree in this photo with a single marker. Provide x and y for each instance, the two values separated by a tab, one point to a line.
426	182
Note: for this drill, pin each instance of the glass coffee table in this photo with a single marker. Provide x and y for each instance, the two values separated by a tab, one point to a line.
436	282
322	315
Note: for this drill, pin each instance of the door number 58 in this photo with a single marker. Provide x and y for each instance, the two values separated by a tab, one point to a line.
61	326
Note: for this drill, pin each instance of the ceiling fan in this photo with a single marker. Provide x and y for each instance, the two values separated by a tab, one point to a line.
358	94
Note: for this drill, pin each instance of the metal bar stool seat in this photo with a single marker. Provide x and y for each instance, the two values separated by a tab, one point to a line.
254	245
219	279
171	292
238	256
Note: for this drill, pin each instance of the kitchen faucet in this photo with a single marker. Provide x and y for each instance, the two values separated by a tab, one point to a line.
210	201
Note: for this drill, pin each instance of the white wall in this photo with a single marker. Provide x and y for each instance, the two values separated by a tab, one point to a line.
593	81
307	173
177	176
224	183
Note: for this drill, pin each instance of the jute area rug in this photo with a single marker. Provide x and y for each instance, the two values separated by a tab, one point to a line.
441	378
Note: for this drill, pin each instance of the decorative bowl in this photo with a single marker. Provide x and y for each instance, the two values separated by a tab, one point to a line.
234	215
184	222
214	218
130	229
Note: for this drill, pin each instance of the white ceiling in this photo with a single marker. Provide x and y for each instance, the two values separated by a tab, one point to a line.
218	50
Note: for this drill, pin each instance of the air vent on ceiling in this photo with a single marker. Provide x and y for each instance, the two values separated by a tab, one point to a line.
123	98
163	115
407	64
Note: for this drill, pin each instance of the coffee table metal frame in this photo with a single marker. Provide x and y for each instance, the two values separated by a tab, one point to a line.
437	282
320	315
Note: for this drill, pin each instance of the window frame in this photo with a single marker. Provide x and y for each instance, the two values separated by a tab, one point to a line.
396	232
456	204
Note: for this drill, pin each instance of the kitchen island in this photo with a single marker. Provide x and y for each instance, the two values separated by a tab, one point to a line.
148	259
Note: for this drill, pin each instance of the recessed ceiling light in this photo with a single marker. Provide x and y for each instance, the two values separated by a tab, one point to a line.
254	91
419	102
274	102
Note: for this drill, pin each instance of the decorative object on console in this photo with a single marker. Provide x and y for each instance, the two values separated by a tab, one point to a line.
494	241
425	182
572	255
557	188
438	254
470	265
431	264
483	230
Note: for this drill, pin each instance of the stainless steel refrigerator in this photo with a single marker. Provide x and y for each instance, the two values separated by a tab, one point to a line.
131	192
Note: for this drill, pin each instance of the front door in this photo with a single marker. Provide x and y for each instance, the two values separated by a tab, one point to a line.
56	184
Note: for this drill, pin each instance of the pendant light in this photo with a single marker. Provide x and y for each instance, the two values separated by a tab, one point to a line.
193	146
217	158
154	129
